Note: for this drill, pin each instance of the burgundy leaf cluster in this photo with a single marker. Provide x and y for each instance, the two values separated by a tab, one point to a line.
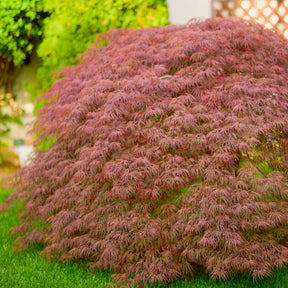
171	153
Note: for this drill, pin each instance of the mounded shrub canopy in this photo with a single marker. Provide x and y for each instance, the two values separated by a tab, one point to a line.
171	153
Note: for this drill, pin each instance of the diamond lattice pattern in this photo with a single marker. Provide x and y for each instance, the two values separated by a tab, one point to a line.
270	13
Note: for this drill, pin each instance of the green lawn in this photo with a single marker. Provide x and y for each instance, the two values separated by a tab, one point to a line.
29	270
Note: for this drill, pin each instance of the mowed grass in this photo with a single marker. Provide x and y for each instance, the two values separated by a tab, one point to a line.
30	270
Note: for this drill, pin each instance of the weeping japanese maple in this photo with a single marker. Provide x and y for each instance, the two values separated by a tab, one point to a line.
171	152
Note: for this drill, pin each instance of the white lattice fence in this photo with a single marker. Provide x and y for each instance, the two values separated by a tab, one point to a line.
270	13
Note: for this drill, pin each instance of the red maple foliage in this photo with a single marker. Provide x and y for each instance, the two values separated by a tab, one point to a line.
171	152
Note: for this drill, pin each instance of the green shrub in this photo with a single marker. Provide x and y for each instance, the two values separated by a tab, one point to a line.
20	29
72	26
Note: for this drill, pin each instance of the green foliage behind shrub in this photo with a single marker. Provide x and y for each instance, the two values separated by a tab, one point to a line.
20	26
72	26
20	29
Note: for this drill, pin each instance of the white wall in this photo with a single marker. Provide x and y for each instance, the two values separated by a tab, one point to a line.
181	11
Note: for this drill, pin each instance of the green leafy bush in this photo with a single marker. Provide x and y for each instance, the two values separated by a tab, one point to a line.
20	29
72	26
